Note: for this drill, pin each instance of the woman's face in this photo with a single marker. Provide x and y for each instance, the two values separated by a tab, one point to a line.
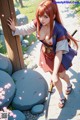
44	19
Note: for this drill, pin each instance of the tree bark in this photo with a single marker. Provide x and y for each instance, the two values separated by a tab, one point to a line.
21	3
13	44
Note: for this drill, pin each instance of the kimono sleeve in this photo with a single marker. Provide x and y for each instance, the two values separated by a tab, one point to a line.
62	42
25	29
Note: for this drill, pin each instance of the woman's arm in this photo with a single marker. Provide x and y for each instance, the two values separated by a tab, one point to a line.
23	29
57	62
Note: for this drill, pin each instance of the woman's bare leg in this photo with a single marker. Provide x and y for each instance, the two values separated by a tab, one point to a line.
62	99
65	77
58	84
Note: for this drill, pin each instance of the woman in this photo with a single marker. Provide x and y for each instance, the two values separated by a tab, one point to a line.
55	48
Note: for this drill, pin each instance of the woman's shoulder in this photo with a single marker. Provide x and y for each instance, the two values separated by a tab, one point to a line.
60	32
35	22
59	28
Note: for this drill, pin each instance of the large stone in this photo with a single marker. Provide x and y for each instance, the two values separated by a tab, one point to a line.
5	64
37	109
17	11
2	38
21	19
25	43
17	115
31	89
21	38
7	89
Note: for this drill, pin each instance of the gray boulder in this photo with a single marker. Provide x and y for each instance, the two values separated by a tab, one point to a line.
2	38
17	115
31	89
21	38
37	109
25	43
17	11
5	64
21	19
7	89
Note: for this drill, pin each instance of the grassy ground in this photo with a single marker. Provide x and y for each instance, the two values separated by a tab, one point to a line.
2	48
29	8
76	6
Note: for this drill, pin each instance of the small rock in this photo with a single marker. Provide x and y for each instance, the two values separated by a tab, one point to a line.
17	115
37	109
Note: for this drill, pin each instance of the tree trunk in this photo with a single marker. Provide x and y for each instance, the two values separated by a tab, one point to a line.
13	44
21	3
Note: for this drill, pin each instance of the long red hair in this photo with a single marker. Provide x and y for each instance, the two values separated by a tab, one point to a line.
50	8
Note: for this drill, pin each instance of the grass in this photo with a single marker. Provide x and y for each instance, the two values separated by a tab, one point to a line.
2	48
76	7
29	8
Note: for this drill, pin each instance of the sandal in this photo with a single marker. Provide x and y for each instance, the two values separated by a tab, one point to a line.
62	102
69	89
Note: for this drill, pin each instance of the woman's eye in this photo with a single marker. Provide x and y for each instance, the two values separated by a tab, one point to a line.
45	16
38	15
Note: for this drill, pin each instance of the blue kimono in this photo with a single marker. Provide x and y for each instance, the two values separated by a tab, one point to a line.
60	34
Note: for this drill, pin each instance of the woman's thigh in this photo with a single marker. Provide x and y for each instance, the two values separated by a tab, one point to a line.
62	74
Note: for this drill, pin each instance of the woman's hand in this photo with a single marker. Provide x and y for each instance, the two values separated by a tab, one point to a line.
54	78
11	24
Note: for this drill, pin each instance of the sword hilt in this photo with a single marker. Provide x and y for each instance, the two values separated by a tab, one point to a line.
72	34
51	86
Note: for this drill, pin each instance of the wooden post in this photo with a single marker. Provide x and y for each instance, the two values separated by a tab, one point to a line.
13	44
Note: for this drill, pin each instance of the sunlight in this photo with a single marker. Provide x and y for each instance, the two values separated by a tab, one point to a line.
20	98
2	15
40	94
25	71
